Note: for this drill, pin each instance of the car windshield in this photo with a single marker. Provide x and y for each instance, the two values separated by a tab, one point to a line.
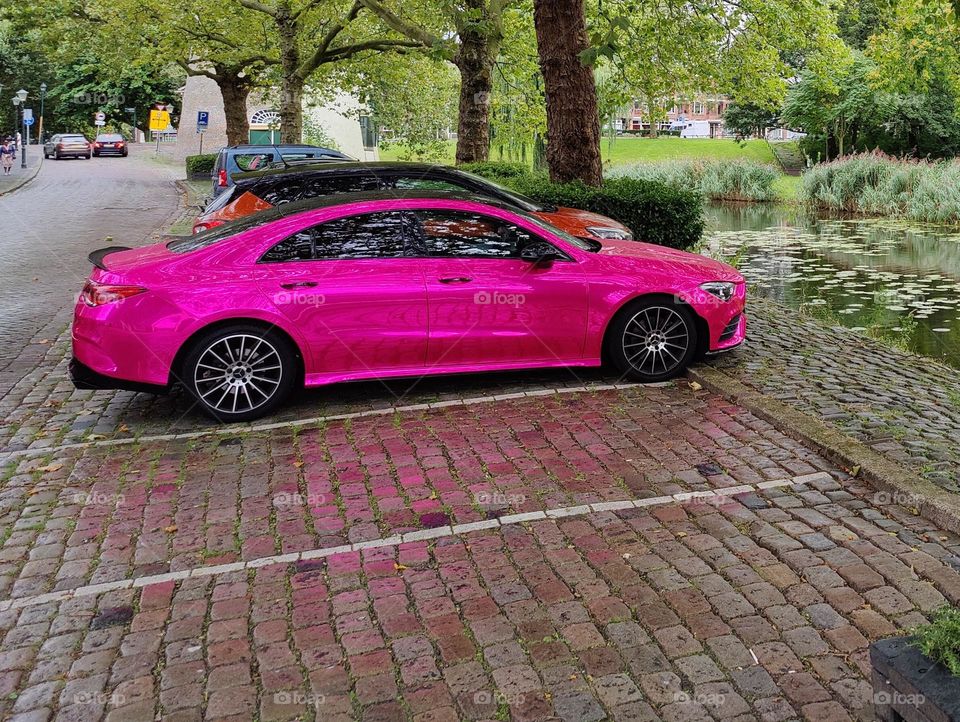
517	199
584	244
109	138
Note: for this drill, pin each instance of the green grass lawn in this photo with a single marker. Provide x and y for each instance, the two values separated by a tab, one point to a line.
628	149
652	150
636	150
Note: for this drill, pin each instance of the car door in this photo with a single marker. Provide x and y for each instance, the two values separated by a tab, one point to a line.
354	293
487	306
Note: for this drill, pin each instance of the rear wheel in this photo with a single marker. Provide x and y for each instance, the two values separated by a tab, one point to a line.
240	372
652	339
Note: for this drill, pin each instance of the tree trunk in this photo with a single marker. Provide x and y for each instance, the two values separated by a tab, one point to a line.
235	91
291	110
573	121
291	100
475	58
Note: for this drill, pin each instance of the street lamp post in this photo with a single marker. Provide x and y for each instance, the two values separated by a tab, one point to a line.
43	93
22	97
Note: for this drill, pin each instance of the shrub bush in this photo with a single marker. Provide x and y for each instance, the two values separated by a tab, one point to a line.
199	166
714	179
875	183
940	639
655	212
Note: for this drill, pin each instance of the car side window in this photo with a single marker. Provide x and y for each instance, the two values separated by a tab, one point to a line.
456	234
372	235
252	161
298	247
282	190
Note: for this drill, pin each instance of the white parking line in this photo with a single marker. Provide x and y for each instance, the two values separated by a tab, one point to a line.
234	430
413	536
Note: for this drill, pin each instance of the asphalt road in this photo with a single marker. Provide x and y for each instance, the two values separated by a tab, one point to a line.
48	227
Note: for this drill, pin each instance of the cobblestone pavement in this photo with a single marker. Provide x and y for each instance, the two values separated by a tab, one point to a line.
903	405
50	225
749	604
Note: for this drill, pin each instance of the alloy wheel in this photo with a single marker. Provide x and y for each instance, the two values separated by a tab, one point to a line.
656	340
238	373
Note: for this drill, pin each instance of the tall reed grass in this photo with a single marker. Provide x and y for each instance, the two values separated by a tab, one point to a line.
714	179
878	184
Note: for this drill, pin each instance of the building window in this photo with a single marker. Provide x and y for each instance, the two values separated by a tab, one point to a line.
265	117
698	108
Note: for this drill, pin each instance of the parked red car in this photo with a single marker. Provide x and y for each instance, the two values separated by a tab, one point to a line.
259	191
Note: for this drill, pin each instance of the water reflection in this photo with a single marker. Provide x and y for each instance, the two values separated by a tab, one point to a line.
886	278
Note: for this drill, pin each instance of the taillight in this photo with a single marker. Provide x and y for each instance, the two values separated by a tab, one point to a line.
99	145
201	226
222	178
98	294
59	146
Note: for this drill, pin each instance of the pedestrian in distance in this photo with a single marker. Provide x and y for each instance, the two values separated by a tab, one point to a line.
6	156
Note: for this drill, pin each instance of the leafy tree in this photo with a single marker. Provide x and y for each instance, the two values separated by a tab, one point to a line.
746	120
310	34
413	98
469	35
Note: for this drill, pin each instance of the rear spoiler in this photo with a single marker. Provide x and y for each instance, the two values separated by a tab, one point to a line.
96	258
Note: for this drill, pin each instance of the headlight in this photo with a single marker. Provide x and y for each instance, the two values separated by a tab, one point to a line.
610	234
721	289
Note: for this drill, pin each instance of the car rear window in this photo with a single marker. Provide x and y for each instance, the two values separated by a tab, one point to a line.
218	233
112	138
74	138
221	200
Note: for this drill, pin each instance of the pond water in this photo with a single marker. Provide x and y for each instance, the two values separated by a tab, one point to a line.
886	278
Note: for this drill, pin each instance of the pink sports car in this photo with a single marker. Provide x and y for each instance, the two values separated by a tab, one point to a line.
379	285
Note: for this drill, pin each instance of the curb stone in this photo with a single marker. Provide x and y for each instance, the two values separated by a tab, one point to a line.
933	503
31	174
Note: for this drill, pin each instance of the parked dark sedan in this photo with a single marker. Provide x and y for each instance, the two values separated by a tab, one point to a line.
110	144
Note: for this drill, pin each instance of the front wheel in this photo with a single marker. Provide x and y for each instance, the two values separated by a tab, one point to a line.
240	372
652	339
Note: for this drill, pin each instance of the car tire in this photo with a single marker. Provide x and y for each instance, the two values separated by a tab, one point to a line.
87	156
229	382
56	155
652	339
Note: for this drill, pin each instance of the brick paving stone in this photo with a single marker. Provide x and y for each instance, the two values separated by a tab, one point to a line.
606	615
872	373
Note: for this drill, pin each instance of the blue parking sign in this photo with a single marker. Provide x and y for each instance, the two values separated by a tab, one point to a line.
203	119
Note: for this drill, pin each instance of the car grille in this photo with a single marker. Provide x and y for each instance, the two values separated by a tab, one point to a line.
730	329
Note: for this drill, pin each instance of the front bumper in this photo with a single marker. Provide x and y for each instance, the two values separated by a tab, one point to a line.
84	377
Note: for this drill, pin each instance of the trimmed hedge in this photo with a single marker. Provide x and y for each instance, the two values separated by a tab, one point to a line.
200	166
655	212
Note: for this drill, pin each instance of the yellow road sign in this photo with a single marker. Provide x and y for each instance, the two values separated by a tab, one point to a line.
159	119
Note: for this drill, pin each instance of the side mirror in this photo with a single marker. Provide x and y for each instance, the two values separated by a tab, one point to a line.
540	252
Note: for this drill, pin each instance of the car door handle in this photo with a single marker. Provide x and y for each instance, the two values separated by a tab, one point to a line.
298	284
455	279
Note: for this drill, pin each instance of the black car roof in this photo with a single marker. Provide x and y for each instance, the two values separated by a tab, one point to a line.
254	220
342	199
346	167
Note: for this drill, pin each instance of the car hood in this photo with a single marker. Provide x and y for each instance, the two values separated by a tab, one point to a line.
681	262
575	221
